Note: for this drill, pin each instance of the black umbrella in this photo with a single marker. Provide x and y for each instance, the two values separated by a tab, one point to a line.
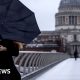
17	22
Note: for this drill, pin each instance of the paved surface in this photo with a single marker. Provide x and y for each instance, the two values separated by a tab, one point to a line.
66	70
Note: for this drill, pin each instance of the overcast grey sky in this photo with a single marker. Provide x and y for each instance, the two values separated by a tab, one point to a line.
44	11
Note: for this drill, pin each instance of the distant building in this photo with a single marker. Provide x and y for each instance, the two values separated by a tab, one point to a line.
68	22
47	41
66	37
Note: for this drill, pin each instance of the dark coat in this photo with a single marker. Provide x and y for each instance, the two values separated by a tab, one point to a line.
76	53
17	22
6	60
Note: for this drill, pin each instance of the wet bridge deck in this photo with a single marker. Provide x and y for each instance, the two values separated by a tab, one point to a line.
67	70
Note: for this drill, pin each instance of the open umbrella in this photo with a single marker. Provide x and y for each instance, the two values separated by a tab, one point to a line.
17	22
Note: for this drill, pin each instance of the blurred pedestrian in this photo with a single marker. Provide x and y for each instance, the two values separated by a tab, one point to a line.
75	54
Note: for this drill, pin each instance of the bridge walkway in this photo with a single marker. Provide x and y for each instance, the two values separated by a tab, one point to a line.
68	69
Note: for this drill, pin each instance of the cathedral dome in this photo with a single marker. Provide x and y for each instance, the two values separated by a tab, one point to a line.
69	4
68	15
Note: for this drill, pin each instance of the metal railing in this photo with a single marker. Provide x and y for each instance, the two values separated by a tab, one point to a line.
32	62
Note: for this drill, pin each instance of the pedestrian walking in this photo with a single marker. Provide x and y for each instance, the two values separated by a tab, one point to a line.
76	54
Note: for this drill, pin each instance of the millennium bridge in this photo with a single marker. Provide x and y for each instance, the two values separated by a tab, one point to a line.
32	64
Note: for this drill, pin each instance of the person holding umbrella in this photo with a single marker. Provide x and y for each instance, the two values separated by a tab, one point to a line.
8	48
17	25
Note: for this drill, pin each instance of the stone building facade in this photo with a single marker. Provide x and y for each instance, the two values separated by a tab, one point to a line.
47	41
68	22
67	28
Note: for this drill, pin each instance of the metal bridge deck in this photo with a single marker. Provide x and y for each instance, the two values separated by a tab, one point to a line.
66	70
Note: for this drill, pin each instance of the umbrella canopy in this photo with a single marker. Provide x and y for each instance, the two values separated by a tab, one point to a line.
17	22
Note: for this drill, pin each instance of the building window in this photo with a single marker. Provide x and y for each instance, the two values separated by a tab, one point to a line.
60	20
63	19
57	21
78	20
72	20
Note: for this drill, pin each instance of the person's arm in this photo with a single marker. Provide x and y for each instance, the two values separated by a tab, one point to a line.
2	48
12	48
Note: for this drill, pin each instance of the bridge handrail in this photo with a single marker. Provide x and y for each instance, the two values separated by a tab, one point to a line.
30	62
37	52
